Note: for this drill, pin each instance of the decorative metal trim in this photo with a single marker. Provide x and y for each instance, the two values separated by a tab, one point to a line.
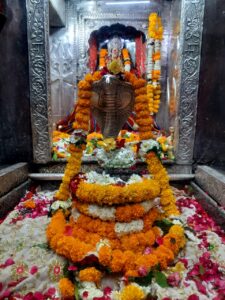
38	33
192	13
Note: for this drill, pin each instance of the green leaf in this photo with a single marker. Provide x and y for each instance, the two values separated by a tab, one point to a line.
42	246
211	247
164	224
145	280
54	156
76	293
161	279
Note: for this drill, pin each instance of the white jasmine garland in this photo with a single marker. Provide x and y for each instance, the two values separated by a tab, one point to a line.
106	179
105	213
147	205
121	158
127	228
75	214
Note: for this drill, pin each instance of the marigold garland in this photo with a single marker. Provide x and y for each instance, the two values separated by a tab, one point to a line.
108	194
155	35
121	255
124	213
167	198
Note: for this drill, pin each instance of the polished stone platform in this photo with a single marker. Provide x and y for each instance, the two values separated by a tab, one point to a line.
12	176
210	205
212	181
13	184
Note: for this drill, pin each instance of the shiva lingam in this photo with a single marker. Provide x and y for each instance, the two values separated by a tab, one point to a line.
112	102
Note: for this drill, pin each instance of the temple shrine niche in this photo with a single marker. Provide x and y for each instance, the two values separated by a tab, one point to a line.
133	50
112	212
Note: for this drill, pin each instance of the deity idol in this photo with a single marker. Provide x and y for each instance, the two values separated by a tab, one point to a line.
116	59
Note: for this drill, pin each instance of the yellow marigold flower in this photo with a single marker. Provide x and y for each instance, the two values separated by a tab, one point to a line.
132	292
177	229
90	274
66	288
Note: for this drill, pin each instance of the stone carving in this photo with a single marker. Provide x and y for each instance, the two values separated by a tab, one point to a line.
192	12
37	21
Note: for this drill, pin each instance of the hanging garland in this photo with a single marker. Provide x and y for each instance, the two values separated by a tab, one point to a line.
155	35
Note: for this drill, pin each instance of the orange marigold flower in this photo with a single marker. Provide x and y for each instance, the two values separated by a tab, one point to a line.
84	95
91	275
96	76
146	135
104	255
129	212
88	77
66	288
84	85
139	83
29	204
141	91
118	261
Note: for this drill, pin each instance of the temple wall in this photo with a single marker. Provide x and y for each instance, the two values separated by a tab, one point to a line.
210	130
15	126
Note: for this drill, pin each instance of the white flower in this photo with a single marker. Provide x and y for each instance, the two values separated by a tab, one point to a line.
148	145
134	178
102	212
121	158
61	204
127	228
102	243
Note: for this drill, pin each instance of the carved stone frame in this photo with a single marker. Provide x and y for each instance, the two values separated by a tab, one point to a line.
38	46
192	13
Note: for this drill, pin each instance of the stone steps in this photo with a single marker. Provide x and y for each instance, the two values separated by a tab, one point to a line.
13	184
212	181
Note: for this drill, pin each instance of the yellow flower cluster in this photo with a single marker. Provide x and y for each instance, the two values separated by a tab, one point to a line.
153	94
167	198
66	288
155	29
111	194
132	292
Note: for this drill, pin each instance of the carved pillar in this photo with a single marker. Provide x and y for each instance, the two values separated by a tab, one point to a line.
38	34
192	13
